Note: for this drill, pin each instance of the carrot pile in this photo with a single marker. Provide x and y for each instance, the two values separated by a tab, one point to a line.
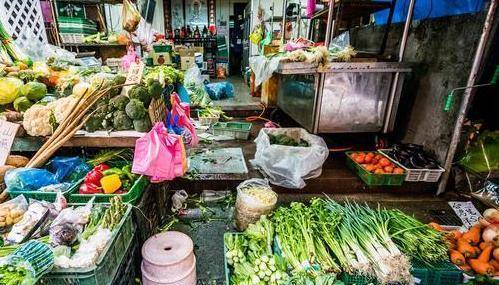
476	251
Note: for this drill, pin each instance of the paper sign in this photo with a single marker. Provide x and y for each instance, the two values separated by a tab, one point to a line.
134	76
468	214
7	134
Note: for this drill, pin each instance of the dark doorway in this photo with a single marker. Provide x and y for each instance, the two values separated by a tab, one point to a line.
236	39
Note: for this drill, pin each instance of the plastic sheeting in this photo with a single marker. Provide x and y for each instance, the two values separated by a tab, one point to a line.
425	9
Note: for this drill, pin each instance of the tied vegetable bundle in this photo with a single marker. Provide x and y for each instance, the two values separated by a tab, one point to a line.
7	46
318	241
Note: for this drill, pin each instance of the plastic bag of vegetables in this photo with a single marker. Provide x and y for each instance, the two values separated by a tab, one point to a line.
131	16
254	199
9	89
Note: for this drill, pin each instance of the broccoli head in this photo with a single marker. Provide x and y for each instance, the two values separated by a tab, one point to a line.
119	102
121	121
140	93
142	125
117	80
155	88
135	109
96	120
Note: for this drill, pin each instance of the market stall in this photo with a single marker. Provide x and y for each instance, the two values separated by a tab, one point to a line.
109	174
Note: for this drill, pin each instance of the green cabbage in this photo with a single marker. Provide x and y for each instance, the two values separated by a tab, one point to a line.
34	90
9	89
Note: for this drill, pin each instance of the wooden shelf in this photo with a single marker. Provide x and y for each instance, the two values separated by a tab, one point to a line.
34	143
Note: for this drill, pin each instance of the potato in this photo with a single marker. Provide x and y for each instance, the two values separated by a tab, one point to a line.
3	170
17	160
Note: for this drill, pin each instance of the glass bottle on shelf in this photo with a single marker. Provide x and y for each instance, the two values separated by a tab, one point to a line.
189	32
183	32
205	32
197	34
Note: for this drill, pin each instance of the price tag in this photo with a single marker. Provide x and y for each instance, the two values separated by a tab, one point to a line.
7	134
134	76
467	212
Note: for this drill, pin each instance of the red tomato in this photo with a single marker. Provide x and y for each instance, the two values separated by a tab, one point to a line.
388	169
398	170
379	171
384	162
368	159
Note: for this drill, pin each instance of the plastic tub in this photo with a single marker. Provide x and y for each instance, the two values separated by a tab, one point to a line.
372	179
238	130
132	196
417	175
102	273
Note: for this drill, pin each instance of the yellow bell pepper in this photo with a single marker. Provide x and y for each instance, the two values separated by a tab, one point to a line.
110	183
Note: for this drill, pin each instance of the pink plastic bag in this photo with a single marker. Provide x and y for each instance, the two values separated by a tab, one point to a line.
159	155
179	117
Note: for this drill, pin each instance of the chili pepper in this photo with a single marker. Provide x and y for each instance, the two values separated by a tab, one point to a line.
89	188
112	171
127	170
110	183
101	167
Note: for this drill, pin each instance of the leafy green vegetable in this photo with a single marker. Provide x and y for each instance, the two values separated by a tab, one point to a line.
21	104
154	88
283	139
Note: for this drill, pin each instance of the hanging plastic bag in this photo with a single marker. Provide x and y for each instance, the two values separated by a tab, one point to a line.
483	156
131	16
33	218
178	121
254	199
194	84
289	166
220	90
158	155
28	179
70	222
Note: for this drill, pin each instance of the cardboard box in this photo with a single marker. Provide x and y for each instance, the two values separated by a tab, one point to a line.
161	58
186	62
187	52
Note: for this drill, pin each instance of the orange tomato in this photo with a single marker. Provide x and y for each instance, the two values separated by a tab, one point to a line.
359	159
388	169
370	154
398	170
384	162
368	158
378	156
353	155
369	167
379	171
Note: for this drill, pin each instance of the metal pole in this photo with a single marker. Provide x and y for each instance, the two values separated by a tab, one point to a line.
403	44
322	76
461	116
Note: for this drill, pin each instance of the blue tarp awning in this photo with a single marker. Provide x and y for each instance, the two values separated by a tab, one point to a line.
431	9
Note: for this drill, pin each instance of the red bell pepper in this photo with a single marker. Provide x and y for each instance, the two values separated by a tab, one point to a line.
94	176
89	188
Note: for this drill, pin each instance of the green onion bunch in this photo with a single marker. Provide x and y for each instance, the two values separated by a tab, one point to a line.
417	240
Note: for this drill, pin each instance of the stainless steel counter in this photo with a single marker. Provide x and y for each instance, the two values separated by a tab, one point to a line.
342	98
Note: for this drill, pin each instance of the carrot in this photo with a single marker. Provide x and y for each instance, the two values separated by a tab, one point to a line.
485	255
477	251
482	268
435	226
464	247
484	244
456	234
457	258
473	235
465	267
495	264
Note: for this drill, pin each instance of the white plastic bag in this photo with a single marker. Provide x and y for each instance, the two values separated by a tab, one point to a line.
288	166
249	207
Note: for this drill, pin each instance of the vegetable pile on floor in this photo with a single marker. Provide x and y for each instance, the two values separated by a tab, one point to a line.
314	243
476	251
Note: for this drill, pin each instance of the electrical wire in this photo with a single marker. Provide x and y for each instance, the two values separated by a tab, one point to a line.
260	117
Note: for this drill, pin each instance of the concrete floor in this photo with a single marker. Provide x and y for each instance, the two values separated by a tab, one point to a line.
242	99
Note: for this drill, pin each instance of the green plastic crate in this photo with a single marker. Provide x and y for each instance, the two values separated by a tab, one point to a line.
132	196
372	179
445	274
238	130
162	48
41	196
103	272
